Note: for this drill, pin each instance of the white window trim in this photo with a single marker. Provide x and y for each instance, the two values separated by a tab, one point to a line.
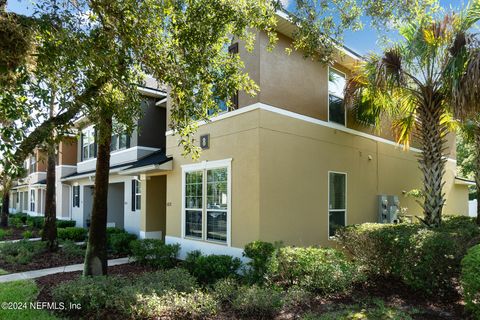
328	201
206	165
139	183
90	129
328	96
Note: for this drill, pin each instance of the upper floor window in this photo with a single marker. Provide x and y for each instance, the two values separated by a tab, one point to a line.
88	143
32	165
119	142
336	106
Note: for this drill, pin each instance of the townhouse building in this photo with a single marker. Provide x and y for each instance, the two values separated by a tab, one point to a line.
28	193
290	164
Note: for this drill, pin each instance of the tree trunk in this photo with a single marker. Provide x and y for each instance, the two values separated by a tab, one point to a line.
96	255
432	161
50	227
5	205
477	170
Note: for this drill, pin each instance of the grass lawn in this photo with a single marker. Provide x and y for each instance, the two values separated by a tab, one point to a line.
21	291
2	272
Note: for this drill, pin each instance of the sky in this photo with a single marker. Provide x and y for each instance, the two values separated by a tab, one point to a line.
362	42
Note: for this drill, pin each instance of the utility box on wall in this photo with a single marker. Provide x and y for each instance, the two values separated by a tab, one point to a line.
388	209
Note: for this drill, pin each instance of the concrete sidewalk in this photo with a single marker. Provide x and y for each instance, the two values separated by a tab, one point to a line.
17	240
44	272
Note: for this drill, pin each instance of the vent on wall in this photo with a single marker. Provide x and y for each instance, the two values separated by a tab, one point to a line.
388	209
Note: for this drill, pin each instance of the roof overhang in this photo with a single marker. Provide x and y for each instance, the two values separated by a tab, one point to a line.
166	166
90	174
463	181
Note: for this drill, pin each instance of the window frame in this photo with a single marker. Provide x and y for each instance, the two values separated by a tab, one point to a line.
117	142
328	201
76	196
204	167
32	200
337	96
32	166
86	134
136	196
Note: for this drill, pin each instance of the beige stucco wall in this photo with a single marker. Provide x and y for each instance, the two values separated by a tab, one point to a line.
236	138
153	208
280	177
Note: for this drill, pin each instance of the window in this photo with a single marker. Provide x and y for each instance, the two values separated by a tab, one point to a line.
336	107
32	200
206	202
32	166
119	142
337	201
136	195
88	143
76	196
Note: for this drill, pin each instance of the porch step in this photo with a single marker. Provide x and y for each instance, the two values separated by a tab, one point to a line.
45	272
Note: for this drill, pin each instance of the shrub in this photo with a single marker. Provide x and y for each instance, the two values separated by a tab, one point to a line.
425	259
21	252
114	230
297	299
119	243
211	268
65	223
94	294
155	253
27	234
2	234
225	291
257	302
72	233
175	305
470	279
259	253
70	249
17	221
317	270
177	279
35	222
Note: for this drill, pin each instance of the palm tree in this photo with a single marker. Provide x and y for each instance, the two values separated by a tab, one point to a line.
412	83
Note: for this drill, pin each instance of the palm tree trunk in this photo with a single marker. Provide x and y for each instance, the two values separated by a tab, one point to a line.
50	227
96	255
432	161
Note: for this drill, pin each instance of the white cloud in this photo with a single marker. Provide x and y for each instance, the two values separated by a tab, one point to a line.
285	3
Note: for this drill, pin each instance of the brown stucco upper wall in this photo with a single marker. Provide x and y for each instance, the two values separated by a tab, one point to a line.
41	158
67	151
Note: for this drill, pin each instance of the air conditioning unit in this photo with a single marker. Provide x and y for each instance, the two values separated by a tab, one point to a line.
388	209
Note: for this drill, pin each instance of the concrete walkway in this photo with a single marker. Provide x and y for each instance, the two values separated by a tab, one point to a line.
44	272
17	240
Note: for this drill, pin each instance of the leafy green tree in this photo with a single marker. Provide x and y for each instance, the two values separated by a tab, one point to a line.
412	82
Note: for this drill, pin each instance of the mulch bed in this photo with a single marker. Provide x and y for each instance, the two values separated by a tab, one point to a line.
18	233
47	260
47	282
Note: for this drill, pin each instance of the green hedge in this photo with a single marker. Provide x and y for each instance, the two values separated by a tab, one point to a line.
318	270
470	280
425	259
65	223
119	242
259	253
211	268
72	233
155	253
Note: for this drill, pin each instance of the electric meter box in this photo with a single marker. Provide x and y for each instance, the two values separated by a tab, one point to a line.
388	208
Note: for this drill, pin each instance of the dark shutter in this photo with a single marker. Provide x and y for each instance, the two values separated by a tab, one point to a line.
133	195
128	141
81	146
233	49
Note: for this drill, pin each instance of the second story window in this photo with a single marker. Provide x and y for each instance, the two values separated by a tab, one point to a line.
88	143
119	142
336	106
32	165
